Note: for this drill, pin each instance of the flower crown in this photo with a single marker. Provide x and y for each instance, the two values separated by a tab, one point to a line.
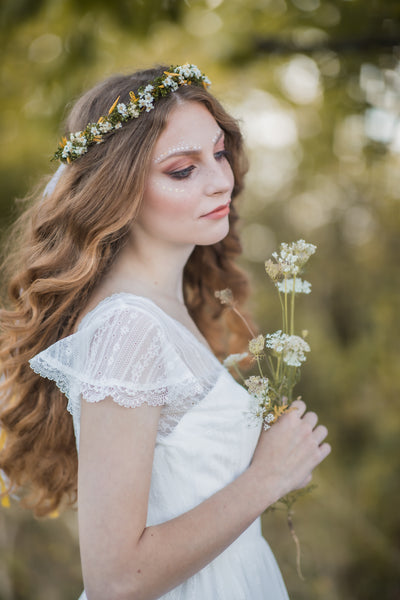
79	142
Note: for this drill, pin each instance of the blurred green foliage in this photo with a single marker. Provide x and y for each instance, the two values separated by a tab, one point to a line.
316	85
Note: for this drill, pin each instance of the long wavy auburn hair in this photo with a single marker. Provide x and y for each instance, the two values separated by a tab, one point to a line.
63	245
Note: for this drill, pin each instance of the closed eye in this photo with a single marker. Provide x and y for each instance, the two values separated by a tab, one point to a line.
183	173
186	172
221	154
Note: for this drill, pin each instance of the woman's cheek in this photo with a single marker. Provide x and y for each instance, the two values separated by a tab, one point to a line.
170	199
172	188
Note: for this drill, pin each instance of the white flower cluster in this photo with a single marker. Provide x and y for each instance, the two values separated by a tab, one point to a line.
106	127
258	412
122	109
258	387
189	71
146	99
269	418
256	345
78	143
171	83
300	286
291	347
234	359
292	257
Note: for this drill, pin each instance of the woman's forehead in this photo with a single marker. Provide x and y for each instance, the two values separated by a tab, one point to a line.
188	124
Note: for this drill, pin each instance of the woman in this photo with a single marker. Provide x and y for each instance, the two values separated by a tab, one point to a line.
112	302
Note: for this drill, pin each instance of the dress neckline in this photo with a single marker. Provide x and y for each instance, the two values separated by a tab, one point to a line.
115	295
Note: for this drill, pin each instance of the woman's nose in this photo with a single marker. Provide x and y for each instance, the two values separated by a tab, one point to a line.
220	178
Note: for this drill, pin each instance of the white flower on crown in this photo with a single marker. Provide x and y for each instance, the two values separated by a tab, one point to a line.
78	138
94	130
118	125
170	82
195	71
146	101
105	127
121	108
133	110
186	71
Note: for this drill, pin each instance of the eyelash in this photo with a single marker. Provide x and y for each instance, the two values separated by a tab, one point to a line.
185	173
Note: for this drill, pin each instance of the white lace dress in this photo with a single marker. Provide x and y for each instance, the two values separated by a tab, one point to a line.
129	349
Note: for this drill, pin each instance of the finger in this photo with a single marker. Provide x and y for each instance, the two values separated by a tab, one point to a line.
325	449
310	418
300	406
320	433
305	482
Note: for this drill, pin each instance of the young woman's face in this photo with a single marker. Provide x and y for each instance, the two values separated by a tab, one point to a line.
188	191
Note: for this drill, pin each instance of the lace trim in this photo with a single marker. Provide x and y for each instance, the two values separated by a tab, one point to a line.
174	394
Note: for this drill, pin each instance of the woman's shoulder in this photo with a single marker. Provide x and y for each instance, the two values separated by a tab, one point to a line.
122	305
128	339
126	347
115	322
129	312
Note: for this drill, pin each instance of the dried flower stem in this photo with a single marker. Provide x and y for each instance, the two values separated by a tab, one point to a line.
237	370
292	306
285	324
297	542
259	366
238	313
283	311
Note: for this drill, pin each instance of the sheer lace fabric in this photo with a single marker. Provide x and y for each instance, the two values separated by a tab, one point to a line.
128	349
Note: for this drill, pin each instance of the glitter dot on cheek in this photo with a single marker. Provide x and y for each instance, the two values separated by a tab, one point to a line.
167	188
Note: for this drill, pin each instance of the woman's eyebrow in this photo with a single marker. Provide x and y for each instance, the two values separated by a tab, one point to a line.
218	136
184	150
177	151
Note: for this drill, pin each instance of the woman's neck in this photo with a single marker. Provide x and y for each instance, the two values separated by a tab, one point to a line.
153	270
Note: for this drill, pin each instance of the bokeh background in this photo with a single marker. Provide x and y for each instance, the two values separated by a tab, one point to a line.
316	85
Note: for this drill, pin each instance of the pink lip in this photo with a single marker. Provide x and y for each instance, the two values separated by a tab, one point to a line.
220	211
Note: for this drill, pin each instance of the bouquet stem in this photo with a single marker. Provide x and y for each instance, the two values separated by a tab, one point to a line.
297	543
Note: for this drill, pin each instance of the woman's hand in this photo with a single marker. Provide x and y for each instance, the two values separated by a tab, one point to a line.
288	452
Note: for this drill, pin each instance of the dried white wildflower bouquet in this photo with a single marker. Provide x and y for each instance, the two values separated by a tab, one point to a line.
278	355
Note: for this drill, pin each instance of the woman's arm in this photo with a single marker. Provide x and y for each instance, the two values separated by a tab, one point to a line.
123	559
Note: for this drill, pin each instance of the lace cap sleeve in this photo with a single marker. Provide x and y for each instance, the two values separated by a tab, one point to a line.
125	353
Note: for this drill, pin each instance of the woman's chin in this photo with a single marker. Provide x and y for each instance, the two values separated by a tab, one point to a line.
214	235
